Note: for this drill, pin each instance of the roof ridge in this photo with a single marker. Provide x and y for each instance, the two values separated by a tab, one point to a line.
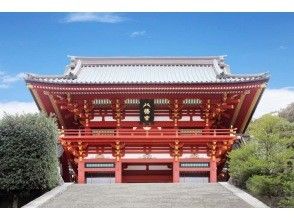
147	64
76	62
146	57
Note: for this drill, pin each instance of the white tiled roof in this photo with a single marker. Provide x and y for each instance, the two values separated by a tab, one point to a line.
146	74
146	70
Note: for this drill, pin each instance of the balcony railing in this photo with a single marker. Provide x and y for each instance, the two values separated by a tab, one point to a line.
145	133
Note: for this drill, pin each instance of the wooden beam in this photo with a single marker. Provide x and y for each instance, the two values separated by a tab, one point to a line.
37	98
237	110
130	124
56	109
252	106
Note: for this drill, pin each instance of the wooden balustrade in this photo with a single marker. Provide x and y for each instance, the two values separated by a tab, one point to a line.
151	132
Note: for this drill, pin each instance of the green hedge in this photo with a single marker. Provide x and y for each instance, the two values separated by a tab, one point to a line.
28	159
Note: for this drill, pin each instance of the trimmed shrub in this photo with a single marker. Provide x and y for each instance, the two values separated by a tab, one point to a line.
28	159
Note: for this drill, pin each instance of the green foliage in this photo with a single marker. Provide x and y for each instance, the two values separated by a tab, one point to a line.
264	185
244	163
288	113
288	190
264	165
276	190
28	160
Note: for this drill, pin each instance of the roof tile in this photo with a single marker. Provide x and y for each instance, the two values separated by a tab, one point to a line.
148	70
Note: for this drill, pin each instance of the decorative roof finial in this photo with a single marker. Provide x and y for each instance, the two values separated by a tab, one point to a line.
72	63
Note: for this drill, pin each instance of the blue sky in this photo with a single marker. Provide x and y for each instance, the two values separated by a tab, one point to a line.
40	42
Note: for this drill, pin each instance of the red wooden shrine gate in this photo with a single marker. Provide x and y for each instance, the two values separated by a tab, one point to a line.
148	119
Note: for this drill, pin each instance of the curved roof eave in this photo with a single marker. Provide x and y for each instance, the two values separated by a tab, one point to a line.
226	80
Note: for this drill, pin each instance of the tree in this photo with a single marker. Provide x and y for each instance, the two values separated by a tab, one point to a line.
28	159
244	163
288	113
264	165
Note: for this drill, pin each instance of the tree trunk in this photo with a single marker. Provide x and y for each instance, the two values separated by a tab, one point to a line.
15	201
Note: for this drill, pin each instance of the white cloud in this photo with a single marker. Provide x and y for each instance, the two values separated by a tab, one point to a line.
138	33
93	17
4	86
282	47
274	100
6	80
15	107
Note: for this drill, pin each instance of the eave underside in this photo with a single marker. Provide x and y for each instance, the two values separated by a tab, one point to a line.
248	95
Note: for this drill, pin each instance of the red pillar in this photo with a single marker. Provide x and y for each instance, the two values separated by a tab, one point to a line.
213	171
176	171
118	171
81	172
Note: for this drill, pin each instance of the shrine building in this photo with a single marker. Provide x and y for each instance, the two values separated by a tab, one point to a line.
147	119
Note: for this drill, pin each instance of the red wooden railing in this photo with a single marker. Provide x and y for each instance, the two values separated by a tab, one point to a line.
151	132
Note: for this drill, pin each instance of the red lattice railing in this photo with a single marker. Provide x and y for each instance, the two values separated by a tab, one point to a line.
151	132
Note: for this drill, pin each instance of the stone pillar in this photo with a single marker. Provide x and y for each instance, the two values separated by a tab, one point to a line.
118	171
213	171
81	171
176	170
